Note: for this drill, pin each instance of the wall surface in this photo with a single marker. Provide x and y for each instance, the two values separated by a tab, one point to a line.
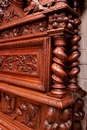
83	58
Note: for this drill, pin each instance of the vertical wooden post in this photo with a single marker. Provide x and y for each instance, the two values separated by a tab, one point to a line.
74	54
59	67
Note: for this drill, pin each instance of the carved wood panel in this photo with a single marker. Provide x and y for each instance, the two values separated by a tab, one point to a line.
30	63
39	65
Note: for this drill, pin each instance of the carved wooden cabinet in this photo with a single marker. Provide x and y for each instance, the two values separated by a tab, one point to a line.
39	65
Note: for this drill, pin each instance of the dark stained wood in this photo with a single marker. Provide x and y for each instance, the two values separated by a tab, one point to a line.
39	65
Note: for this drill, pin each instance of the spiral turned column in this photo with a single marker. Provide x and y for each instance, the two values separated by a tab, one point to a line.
59	67
74	54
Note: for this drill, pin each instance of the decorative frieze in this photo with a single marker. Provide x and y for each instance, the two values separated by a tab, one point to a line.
19	63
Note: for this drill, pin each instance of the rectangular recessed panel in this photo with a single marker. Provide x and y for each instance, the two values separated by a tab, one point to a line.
26	65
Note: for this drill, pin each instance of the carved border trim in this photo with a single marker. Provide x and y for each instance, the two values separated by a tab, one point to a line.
37	97
23	43
22	83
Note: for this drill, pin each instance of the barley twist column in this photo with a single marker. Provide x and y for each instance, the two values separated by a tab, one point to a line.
74	54
59	67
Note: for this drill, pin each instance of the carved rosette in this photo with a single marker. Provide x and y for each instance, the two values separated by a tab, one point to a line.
59	67
74	54
78	114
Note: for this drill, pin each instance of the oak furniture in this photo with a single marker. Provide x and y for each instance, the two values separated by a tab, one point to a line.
39	65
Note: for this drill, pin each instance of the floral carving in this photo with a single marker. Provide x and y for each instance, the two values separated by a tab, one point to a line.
24	30
4	4
6	15
22	63
20	110
33	28
10	16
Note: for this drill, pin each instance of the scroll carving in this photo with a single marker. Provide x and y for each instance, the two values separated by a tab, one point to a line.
19	63
20	110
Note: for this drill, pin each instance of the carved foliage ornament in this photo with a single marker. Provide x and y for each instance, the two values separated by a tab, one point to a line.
6	15
24	30
20	110
19	63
